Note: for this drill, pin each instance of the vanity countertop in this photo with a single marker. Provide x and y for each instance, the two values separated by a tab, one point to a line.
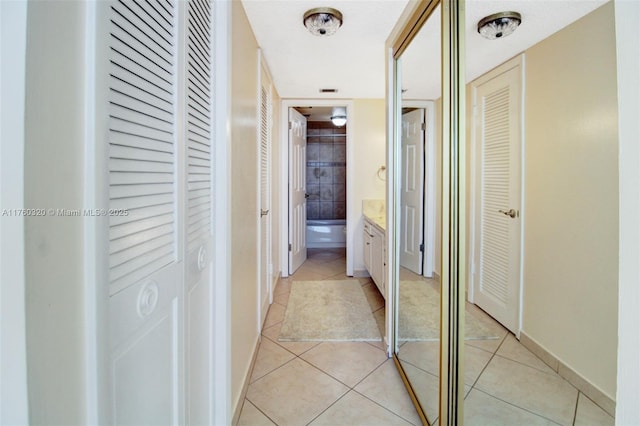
374	210
378	221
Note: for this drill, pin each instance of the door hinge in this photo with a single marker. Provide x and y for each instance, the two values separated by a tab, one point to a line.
424	126
290	125
289	246
422	247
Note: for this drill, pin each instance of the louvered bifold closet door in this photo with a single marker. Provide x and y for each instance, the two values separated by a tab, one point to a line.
265	199
498	110
145	268
495	185
265	116
199	125
142	152
198	100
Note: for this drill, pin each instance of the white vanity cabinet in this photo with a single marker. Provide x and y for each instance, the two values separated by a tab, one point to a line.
374	254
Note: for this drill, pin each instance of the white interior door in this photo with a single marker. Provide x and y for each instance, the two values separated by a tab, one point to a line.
497	121
146	225
412	192
199	244
265	199
297	190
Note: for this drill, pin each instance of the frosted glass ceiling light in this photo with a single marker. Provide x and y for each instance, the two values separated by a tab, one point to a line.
322	21
499	25
339	120
339	116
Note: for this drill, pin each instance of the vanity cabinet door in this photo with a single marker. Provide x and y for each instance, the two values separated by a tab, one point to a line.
377	258
367	246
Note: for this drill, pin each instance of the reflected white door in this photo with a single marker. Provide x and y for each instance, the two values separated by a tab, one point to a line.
497	118
412	191
297	189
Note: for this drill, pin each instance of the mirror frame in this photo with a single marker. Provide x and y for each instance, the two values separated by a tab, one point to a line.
453	188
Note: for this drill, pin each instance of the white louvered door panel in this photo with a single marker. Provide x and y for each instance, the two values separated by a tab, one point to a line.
497	280
265	199
198	101
145	268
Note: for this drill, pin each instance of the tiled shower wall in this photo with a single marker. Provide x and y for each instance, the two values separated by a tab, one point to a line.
326	170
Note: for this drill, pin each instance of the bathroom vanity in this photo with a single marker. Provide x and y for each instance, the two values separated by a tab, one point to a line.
375	251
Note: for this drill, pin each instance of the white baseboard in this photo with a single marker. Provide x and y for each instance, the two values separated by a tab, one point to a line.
239	404
583	385
361	273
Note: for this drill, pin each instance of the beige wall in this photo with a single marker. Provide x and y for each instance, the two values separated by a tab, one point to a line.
571	197
244	207
368	147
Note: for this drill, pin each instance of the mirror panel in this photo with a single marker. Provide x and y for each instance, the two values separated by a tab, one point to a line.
418	288
493	354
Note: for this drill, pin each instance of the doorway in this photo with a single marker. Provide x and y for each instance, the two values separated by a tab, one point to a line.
496	196
316	182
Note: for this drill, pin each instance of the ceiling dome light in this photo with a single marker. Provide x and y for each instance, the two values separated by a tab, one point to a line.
499	25
339	116
322	21
339	120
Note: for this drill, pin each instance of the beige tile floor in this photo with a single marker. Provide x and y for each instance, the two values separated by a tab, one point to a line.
354	383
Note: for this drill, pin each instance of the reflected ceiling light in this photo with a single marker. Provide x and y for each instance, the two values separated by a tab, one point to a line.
322	21
339	116
499	25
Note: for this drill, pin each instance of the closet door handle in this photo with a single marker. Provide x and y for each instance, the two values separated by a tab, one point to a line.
511	212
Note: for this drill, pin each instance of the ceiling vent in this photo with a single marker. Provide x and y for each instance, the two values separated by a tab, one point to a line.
328	90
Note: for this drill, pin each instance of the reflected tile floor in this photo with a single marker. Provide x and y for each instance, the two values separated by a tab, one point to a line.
354	383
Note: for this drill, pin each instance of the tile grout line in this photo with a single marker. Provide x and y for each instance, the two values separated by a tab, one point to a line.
257	408
493	355
375	402
518	407
575	411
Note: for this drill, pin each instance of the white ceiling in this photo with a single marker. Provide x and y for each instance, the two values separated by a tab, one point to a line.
540	19
352	60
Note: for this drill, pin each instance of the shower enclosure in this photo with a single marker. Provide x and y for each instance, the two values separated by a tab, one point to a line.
326	184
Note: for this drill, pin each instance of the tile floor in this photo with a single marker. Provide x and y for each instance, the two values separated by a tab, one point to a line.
354	383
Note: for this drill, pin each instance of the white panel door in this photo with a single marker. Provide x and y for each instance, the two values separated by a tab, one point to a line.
412	191
146	273
198	101
497	118
297	189
265	199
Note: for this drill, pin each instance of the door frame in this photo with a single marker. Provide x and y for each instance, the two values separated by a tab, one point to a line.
474	196
429	186
284	177
13	336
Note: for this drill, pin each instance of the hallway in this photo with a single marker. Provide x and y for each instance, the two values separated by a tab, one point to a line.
324	383
354	383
